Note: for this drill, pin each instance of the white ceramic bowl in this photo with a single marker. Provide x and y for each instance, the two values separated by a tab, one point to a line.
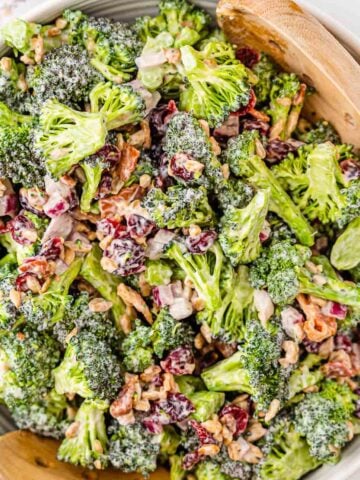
349	467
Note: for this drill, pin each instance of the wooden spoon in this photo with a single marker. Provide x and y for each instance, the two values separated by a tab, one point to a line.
25	456
300	44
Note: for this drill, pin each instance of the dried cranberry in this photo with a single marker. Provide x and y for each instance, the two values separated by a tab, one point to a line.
337	370
248	56
110	153
311	347
139	226
259	125
127	254
202	434
191	459
201	243
160	117
107	226
8	205
105	185
184	167
21	281
244	110
180	361
233	414
177	406
152	425
230	128
277	150
357	391
162	295
22	230
343	342
52	249
157	381
350	168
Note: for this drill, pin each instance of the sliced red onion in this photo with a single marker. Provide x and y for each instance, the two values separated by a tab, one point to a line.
177	289
181	308
350	168
60	267
343	342
151	99
155	246
265	232
163	295
263	305
335	310
59	227
148	60
291	320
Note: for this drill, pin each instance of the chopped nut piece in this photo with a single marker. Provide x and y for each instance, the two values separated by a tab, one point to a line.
60	23
255	431
99	305
108	264
150	373
6	64
215	146
209	450
145	181
253	455
291	353
15	297
225	171
133	298
199	341
215	428
98	447
205	126
194	230
206	332
72	430
169	384
273	410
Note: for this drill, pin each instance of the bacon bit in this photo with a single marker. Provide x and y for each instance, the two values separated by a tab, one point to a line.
38	266
141	138
339	365
123	404
317	327
128	161
261	116
126	419
113	207
133	298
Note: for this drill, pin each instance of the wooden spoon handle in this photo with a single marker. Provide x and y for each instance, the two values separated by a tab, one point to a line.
299	43
25	456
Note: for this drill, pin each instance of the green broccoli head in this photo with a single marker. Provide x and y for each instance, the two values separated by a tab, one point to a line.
207	404
132	448
13	87
300	176
241	156
88	446
208	470
323	419
286	100
146	27
43	311
288	456
65	74
240	229
158	272
217	48
203	270
179	207
233	193
169	442
137	349
265	70
89	368
213	91
120	104
321	132
8	311
64	137
28	358
351	195
93	168
46	416
168	333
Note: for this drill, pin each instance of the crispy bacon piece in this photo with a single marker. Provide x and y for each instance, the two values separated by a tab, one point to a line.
317	326
128	161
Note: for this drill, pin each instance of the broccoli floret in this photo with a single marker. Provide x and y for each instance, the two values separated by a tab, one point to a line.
13	86
105	283
64	74
203	270
210	471
244	162
321	132
78	315
45	416
300	176
179	207
120	104
213	91
88	447
89	368
132	448
323	418
233	193
234	469
146	26
137	349
158	272
351	194
28	358
345	253
286	101
228	321
288	456
36	226
219	50
189	384
307	374
176	470
93	168
64	137
265	70
169	442
20	35
43	311
112	46
206	404
240	229
254	369
168	333
8	311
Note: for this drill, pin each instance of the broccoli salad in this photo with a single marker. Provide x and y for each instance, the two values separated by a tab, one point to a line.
180	252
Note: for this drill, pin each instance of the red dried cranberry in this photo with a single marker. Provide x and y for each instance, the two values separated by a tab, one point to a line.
201	243
110	153
277	150
251	124
139	226
8	205
244	110
176	406
191	459
160	117
152	425
248	56
105	185
20	227
127	254
157	381
179	362
202	434
350	168
52	249
21	281
311	347
107	227
236	414
343	342
179	167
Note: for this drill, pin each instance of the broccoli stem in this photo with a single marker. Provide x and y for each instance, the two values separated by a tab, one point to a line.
93	177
